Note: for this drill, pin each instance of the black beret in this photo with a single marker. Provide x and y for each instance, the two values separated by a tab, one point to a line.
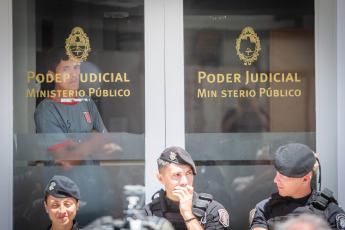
294	160
61	186
178	155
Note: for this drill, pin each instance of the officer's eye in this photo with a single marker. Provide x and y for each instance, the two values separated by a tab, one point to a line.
66	68
76	67
189	172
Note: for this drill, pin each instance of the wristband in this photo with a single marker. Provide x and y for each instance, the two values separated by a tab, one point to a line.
190	219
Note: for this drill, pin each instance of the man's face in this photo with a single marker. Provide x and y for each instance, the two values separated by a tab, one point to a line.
61	211
288	186
67	74
175	175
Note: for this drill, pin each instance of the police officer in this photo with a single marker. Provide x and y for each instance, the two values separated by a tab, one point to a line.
61	203
179	204
296	164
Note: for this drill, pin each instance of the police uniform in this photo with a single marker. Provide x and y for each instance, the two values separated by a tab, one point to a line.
61	187
74	227
296	161
210	213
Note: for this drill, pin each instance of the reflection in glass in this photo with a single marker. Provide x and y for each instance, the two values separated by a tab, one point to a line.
92	131
218	80
247	117
249	88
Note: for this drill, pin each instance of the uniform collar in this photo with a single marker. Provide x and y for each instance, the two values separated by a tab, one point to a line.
301	200
74	226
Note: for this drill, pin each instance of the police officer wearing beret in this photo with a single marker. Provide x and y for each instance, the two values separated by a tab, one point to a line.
61	203
179	204
296	164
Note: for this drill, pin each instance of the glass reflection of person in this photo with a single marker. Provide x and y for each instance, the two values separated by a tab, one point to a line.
61	203
246	118
65	112
249	190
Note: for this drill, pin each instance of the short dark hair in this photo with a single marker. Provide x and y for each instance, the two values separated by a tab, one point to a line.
46	197
54	57
49	60
162	164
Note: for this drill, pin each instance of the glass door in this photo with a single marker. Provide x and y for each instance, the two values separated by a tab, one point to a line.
79	104
249	78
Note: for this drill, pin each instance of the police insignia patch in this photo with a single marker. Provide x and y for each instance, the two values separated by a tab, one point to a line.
172	156
340	221
251	216
52	186
223	217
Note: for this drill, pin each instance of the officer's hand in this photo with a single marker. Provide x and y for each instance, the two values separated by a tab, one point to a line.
185	195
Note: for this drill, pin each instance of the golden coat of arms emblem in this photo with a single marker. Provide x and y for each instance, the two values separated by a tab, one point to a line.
248	55
77	45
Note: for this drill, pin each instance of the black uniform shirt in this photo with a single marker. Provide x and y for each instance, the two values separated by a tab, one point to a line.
74	227
215	212
277	208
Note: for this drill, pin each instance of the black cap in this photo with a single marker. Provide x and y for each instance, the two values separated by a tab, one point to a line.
178	155
61	186
294	160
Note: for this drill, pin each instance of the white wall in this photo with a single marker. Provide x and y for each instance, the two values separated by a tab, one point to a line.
325	69
164	90
341	99
6	114
154	92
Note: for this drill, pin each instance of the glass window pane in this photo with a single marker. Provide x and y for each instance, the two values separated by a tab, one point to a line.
78	104
249	88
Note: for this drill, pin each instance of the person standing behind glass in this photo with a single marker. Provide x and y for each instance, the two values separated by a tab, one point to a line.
65	112
62	203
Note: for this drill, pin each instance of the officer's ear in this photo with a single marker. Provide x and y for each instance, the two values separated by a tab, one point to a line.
50	76
45	206
160	177
306	178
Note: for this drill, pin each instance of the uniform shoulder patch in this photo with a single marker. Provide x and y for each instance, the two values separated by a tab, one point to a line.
251	216
340	218
223	217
